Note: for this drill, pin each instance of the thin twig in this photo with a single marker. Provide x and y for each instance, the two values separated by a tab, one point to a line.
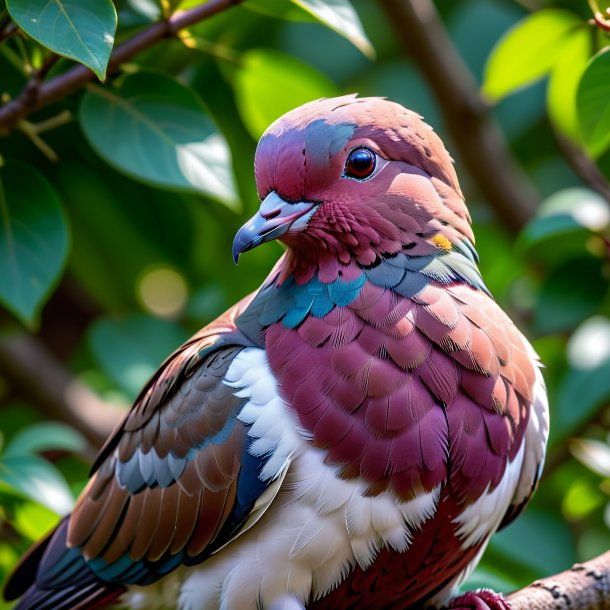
36	95
30	131
476	134
65	116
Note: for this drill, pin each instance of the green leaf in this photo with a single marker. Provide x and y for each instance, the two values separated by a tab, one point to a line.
35	478
46	436
528	51
130	350
563	83
33	520
536	529
582	498
563	223
585	388
9	556
270	83
483	577
280	10
570	293
83	31
33	240
339	15
594	454
154	129
593	103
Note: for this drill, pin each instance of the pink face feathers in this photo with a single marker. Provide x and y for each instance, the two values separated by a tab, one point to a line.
379	177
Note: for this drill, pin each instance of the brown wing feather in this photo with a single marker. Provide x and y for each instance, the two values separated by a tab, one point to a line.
111	519
166	480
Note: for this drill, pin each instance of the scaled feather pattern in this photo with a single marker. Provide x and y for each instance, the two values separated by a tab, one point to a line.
349	436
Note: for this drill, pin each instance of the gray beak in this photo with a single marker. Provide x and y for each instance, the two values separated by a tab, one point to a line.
275	218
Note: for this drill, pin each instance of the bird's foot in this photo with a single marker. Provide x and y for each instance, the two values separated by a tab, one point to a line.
481	599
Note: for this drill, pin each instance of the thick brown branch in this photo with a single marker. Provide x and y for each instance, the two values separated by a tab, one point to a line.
476	135
27	365
36	95
584	586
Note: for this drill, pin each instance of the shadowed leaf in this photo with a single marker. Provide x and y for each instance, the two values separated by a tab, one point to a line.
44	437
33	240
130	350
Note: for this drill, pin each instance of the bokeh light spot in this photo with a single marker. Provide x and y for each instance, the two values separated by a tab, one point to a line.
163	292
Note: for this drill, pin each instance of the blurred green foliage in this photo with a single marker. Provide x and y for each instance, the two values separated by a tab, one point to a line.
118	206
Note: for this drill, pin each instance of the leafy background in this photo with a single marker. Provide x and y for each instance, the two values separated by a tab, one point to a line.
118	205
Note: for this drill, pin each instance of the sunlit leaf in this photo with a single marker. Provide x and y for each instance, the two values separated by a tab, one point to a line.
270	83
594	454
563	83
340	16
37	479
131	349
581	499
528	51
44	437
150	10
563	223
156	130
33	520
593	103
83	31
33	240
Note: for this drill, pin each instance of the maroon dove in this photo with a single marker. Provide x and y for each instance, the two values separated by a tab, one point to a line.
350	436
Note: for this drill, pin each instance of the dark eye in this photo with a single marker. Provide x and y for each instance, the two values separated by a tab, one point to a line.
360	163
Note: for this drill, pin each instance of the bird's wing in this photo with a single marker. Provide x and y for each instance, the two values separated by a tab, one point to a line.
173	484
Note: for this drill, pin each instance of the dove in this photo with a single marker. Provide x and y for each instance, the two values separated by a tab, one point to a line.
349	436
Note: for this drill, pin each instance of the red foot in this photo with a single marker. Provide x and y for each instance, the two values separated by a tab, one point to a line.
481	599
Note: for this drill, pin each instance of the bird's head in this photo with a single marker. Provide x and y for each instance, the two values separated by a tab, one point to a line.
354	179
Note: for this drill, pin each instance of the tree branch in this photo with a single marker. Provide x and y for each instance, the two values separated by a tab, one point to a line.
35	372
476	134
583	166
36	94
585	586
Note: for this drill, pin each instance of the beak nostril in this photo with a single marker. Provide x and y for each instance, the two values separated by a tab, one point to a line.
271	214
275	218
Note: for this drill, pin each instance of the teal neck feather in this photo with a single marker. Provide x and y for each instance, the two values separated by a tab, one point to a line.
407	275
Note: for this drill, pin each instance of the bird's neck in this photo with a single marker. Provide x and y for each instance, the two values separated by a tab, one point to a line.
292	293
405	273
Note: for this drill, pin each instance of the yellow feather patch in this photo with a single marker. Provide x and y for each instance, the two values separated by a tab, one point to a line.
441	242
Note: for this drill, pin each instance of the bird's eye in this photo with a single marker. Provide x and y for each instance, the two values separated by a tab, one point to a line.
360	163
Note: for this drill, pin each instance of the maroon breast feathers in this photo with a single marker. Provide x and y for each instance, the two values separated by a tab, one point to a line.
409	393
